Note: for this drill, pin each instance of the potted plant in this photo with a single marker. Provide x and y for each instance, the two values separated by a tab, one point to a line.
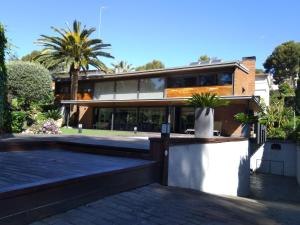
204	113
246	120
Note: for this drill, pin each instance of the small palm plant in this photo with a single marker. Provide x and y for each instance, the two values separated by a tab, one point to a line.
207	100
204	113
246	120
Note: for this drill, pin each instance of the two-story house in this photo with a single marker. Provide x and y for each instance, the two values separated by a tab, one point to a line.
146	99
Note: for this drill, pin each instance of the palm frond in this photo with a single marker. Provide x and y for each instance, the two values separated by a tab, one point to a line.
207	100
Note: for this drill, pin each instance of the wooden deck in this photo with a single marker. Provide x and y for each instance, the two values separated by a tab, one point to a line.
51	179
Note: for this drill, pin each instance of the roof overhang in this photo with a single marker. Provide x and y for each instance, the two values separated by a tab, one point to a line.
252	101
161	72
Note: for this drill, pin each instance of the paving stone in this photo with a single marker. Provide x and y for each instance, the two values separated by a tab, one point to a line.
159	205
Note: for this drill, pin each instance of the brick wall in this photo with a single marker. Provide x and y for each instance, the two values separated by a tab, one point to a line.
226	115
244	83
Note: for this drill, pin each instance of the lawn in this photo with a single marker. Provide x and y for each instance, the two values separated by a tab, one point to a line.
99	132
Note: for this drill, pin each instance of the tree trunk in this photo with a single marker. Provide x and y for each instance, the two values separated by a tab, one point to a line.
74	91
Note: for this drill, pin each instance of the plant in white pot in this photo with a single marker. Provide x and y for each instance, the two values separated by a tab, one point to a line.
246	120
204	113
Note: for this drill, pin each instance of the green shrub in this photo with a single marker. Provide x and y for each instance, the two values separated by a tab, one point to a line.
5	118
18	120
244	118
30	82
53	114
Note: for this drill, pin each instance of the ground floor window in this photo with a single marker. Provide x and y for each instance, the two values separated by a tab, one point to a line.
103	118
125	118
150	119
144	118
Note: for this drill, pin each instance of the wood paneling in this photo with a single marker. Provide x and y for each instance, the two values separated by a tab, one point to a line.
80	96
225	90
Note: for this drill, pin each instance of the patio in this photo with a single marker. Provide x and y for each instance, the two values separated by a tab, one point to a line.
156	204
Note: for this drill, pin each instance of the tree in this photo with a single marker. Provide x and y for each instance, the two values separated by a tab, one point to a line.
259	71
31	56
29	82
5	119
75	49
122	67
284	63
286	90
155	64
203	58
297	98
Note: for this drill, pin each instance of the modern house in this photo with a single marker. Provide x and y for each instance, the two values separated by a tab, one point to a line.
146	99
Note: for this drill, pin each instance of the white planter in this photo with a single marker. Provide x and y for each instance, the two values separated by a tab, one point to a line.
204	122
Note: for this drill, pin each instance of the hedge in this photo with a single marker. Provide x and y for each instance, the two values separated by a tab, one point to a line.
5	119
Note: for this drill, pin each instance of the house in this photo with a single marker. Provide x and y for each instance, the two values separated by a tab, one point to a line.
146	99
263	85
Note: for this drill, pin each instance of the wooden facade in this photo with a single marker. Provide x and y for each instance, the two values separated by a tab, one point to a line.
225	90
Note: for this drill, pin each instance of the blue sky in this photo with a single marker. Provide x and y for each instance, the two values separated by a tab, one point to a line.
175	32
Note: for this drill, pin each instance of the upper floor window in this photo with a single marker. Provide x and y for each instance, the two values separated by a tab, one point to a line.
199	80
151	88
126	89
224	78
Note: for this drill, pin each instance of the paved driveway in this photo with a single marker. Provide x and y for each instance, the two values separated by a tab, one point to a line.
156	204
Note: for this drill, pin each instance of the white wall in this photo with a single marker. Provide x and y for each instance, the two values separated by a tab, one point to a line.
280	162
262	87
217	168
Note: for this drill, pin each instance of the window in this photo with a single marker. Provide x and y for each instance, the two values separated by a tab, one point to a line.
207	80
103	118
152	88
127	89
177	82
224	78
125	118
85	87
104	90
150	119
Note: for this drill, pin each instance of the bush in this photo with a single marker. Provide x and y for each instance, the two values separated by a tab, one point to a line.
18	120
5	118
53	114
30	82
46	127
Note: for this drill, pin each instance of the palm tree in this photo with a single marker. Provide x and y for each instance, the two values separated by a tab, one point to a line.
75	50
122	67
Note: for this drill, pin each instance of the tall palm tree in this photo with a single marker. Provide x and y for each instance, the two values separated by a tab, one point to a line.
122	67
75	49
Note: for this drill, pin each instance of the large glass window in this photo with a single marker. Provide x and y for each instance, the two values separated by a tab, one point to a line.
150	119
125	118
104	90
199	80
187	118
103	118
207	80
127	89
186	81
152	88
224	78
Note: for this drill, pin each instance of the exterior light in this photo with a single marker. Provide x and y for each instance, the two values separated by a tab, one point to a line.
135	129
79	128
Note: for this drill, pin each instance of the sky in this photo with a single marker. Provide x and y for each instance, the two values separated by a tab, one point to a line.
173	31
